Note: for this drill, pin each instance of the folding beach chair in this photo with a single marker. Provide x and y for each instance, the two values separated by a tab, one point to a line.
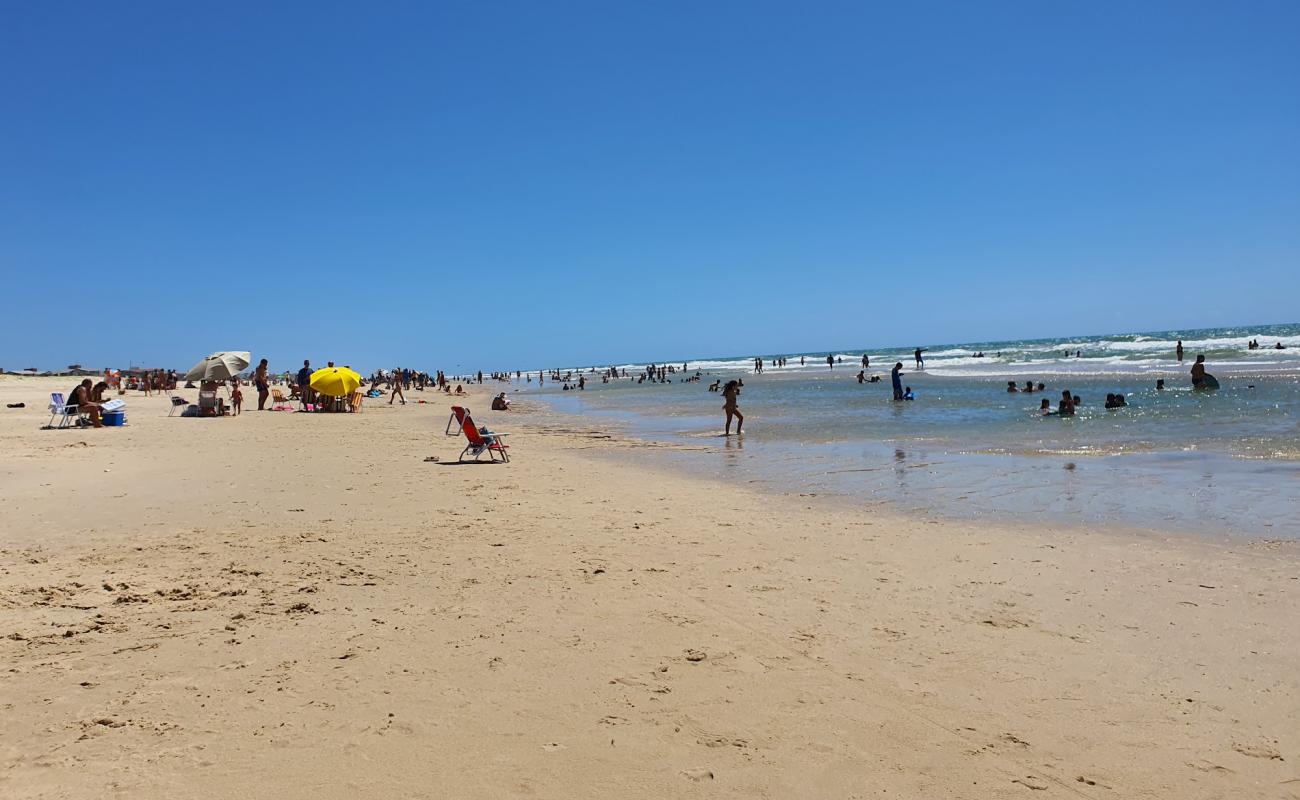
480	442
209	403
277	396
178	404
354	402
68	414
456	421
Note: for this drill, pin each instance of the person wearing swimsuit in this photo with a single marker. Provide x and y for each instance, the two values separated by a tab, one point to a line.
730	395
263	383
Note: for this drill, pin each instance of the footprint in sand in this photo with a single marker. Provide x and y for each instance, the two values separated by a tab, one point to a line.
723	741
1265	750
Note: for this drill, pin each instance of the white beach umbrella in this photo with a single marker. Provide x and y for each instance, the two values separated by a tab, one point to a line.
220	366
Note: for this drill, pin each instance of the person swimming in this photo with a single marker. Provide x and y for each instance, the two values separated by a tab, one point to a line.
1160	384
1066	406
907	394
1198	372
1045	407
1012	388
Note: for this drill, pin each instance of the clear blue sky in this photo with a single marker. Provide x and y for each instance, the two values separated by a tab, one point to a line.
522	184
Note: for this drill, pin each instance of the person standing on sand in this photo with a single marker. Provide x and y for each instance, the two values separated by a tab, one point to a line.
263	383
730	398
896	377
304	384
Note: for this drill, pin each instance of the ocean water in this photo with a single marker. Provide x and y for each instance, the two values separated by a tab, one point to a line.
1224	462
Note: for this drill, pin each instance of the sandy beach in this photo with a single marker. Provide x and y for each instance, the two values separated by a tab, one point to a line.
289	605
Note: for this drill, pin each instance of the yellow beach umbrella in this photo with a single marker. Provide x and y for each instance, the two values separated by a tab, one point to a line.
335	381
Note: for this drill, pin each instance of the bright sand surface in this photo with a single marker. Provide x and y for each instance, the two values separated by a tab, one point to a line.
286	605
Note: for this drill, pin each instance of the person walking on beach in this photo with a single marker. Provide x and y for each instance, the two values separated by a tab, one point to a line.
730	398
396	384
896	377
263	383
920	362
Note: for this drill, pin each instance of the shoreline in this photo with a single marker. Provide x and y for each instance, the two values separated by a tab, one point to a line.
1143	489
328	614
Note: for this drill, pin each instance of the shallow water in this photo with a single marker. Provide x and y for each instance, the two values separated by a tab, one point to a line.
1224	462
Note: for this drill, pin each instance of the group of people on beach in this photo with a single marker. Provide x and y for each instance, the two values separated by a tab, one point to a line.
88	395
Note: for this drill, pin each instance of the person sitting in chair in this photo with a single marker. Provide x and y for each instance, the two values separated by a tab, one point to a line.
211	386
81	398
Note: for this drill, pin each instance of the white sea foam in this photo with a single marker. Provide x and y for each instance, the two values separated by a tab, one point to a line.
1103	355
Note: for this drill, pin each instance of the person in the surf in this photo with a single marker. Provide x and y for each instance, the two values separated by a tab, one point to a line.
730	398
1065	408
896	376
1198	373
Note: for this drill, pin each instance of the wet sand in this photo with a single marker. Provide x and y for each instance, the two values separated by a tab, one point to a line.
301	606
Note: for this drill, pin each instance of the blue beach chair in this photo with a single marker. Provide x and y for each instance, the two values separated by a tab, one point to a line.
68	415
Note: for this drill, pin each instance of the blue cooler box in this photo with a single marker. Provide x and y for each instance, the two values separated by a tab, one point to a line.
115	418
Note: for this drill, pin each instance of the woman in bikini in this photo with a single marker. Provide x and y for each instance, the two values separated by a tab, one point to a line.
730	394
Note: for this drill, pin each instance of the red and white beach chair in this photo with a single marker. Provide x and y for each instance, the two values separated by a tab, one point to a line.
480	441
